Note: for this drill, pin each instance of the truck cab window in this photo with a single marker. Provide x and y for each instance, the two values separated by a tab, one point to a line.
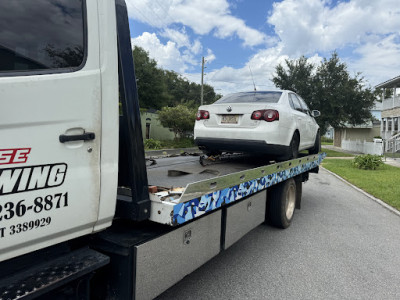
41	35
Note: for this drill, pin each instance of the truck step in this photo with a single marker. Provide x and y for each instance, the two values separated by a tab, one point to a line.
43	278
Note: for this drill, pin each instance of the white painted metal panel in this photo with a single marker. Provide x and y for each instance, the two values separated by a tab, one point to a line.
35	111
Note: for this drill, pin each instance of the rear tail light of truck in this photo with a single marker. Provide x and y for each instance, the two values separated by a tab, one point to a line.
268	115
202	115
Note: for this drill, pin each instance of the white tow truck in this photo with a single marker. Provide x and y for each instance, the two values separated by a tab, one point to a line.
81	216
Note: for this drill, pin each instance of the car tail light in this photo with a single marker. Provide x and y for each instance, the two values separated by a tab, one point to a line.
202	114
268	115
257	115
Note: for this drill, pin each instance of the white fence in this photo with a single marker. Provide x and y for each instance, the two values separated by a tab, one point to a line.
363	147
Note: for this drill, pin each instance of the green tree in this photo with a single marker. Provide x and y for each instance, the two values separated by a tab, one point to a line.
379	92
180	119
152	88
158	88
329	88
296	76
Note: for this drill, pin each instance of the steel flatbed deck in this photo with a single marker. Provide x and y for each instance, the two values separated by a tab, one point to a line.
187	190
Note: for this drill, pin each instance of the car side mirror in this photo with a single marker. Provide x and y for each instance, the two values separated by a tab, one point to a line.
315	113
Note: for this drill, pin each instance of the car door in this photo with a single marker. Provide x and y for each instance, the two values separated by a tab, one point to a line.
300	118
311	124
50	122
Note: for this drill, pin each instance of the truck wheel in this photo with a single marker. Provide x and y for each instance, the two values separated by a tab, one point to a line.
282	203
317	145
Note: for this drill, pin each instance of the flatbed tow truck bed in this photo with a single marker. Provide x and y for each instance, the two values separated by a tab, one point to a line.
188	187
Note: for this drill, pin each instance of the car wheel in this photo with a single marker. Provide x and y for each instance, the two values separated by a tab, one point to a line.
317	145
294	146
281	203
211	152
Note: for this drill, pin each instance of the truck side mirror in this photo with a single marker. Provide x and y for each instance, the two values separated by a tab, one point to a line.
315	113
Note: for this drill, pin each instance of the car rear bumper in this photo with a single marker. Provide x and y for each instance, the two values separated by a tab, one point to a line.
251	146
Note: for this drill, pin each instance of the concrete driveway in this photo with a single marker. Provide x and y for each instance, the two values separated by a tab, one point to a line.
341	245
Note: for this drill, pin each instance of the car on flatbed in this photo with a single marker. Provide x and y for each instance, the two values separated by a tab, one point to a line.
275	123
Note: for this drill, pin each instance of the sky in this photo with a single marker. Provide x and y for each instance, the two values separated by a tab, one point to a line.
243	41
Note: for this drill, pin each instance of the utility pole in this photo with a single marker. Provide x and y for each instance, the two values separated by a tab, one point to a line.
202	79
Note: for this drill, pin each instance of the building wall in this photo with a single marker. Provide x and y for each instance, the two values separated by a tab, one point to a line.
394	112
362	134
354	134
152	125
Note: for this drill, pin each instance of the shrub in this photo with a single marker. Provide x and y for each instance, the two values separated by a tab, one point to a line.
152	144
367	161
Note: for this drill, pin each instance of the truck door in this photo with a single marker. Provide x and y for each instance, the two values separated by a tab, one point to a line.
50	122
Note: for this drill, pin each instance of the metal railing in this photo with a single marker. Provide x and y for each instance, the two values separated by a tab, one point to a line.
392	146
389	103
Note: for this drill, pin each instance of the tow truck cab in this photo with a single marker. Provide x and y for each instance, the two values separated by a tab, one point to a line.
59	122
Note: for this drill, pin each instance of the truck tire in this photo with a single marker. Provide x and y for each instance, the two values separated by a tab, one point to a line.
282	203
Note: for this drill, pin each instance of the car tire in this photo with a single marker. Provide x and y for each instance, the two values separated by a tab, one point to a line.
317	145
211	152
281	203
292	151
294	146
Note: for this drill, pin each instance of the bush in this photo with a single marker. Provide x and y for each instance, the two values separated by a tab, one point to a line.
367	161
152	144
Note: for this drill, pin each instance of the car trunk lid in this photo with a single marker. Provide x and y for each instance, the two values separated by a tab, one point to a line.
235	114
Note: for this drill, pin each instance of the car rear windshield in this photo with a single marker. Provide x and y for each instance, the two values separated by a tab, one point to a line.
41	35
262	97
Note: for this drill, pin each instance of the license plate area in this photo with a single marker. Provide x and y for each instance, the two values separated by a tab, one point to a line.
229	119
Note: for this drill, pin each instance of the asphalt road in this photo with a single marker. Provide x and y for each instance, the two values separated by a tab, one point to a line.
341	245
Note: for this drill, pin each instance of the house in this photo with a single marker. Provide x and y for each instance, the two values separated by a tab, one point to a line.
390	120
363	132
152	128
391	109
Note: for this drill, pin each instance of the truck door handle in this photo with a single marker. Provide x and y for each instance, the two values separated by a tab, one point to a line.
87	136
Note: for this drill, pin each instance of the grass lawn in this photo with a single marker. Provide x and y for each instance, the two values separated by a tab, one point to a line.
382	183
326	143
332	153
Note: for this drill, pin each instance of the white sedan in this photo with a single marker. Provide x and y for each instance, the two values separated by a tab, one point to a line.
275	123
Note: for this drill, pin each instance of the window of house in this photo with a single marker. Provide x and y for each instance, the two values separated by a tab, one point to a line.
41	35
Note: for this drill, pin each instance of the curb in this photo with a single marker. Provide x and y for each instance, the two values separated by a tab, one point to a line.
377	200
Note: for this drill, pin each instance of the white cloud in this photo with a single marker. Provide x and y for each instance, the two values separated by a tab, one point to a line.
167	55
379	60
210	56
182	39
306	26
202	16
